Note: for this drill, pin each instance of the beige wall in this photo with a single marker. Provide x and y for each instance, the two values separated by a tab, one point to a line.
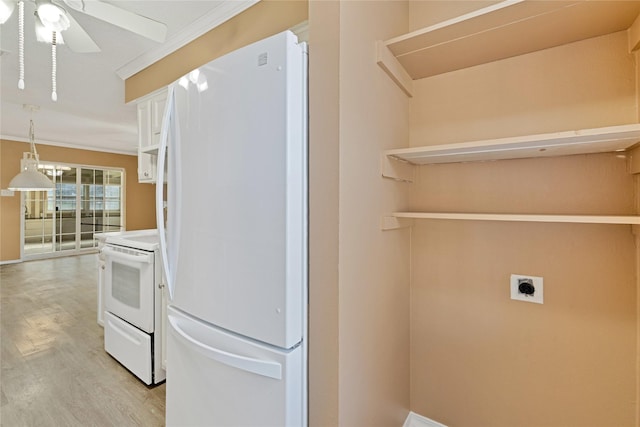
324	192
481	359
634	167
140	198
373	264
583	85
477	357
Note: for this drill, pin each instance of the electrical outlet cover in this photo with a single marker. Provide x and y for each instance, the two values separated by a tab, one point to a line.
538	294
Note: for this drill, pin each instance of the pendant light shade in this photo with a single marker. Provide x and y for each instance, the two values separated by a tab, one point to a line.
30	179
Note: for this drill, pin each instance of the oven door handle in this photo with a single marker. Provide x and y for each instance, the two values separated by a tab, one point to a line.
141	258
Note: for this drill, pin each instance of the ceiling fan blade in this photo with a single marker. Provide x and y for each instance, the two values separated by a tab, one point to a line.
77	39
130	21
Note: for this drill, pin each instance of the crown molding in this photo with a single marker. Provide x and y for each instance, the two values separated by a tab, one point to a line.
77	146
218	15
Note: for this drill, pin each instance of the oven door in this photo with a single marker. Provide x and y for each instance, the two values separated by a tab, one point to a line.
129	285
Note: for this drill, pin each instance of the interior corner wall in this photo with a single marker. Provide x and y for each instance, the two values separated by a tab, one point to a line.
373	264
139	198
634	167
324	161
477	357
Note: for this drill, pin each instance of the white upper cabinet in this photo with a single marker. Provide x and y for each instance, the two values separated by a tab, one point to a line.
150	112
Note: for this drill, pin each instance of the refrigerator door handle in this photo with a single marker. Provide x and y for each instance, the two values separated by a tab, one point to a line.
261	367
162	151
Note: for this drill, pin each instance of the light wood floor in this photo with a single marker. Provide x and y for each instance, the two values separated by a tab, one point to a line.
54	370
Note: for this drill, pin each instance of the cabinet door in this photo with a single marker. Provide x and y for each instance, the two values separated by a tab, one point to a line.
150	113
146	167
144	125
157	111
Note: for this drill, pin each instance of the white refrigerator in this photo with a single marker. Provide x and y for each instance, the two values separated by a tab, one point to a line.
235	244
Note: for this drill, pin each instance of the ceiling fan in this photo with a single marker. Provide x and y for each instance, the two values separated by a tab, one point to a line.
55	25
54	16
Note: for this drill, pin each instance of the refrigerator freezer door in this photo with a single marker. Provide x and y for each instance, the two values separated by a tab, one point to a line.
216	378
241	168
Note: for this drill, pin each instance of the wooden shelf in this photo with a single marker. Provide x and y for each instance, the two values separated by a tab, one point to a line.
395	220
580	219
502	30
585	141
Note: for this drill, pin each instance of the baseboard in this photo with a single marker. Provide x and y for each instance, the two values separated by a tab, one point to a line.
415	420
11	261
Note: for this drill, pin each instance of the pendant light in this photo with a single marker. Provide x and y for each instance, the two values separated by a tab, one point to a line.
30	179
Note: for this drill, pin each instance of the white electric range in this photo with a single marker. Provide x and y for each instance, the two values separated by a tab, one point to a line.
133	303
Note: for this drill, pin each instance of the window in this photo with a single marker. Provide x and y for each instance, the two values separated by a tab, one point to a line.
86	200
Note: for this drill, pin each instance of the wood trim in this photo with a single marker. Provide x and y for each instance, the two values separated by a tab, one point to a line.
266	18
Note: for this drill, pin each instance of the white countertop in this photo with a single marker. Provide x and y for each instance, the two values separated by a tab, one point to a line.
147	240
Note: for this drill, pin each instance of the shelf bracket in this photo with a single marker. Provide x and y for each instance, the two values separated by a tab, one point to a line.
394	168
389	222
388	62
633	36
634	160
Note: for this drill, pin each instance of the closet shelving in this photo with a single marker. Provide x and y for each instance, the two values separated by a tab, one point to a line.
392	222
585	141
398	164
502	30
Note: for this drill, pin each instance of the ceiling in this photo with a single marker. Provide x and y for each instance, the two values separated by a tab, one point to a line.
90	111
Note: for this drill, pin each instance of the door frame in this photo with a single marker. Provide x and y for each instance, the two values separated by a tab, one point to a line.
78	229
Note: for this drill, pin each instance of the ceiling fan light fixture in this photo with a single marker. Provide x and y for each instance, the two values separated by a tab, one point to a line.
46	36
6	9
53	17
